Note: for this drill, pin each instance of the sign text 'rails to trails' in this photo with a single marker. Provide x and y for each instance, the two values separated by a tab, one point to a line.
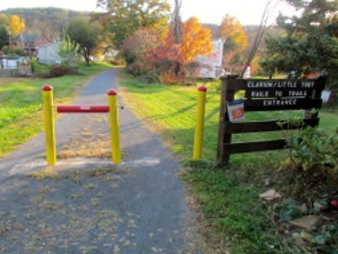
264	95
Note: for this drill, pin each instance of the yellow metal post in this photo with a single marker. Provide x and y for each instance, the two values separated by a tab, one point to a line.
50	142
199	123
114	127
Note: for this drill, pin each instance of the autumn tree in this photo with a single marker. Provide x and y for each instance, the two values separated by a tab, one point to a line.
231	30
86	34
99	49
13	24
196	40
16	25
235	42
123	17
185	45
157	56
140	50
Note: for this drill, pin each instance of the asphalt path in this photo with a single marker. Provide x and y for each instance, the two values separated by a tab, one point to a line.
150	190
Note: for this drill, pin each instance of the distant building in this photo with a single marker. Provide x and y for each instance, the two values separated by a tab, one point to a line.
14	66
30	42
48	53
10	62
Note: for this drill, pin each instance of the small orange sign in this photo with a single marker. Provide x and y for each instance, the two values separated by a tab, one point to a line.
236	110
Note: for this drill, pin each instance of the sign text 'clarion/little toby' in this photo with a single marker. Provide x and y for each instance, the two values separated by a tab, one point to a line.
280	84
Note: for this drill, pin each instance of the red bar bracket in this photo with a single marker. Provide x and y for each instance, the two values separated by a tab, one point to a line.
82	109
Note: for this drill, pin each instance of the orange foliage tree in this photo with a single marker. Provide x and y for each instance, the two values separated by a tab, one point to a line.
158	57
16	25
196	40
235	42
231	30
13	24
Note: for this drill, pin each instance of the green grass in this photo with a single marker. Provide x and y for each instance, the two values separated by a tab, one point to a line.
20	104
227	197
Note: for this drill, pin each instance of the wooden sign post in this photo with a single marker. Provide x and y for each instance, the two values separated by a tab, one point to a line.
265	95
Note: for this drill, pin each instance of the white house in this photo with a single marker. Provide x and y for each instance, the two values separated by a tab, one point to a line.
212	64
47	54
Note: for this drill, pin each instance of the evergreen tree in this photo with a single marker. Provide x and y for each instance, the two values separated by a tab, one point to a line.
310	43
3	37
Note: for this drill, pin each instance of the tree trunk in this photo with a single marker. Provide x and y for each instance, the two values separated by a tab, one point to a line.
177	31
86	56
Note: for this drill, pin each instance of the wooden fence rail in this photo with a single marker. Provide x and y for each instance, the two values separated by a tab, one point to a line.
266	95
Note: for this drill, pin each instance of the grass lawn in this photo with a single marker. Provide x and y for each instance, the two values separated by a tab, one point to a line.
234	217
20	104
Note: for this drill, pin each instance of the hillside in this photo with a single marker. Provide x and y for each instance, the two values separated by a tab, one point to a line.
50	21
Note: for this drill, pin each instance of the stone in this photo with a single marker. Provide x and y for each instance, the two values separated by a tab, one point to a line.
267	182
270	195
320	206
303	208
309	222
303	238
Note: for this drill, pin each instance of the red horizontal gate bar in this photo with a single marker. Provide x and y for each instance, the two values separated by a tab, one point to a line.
82	109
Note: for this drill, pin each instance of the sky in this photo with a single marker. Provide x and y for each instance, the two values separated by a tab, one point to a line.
248	12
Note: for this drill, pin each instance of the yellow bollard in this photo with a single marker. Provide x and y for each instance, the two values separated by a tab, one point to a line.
199	123
114	127
47	92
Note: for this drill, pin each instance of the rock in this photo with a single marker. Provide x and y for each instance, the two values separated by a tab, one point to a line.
307	237
270	195
320	206
309	222
298	240
303	238
303	208
267	182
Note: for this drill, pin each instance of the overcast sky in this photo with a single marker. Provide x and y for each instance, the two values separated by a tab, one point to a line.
207	11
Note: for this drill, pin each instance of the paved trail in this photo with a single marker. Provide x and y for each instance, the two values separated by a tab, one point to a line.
91	206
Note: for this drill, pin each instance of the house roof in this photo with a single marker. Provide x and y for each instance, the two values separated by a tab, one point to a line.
29	37
49	44
9	57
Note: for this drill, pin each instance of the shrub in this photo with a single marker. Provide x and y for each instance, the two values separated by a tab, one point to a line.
13	51
314	148
59	71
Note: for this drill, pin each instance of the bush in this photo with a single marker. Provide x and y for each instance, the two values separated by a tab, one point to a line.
59	71
13	51
315	148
